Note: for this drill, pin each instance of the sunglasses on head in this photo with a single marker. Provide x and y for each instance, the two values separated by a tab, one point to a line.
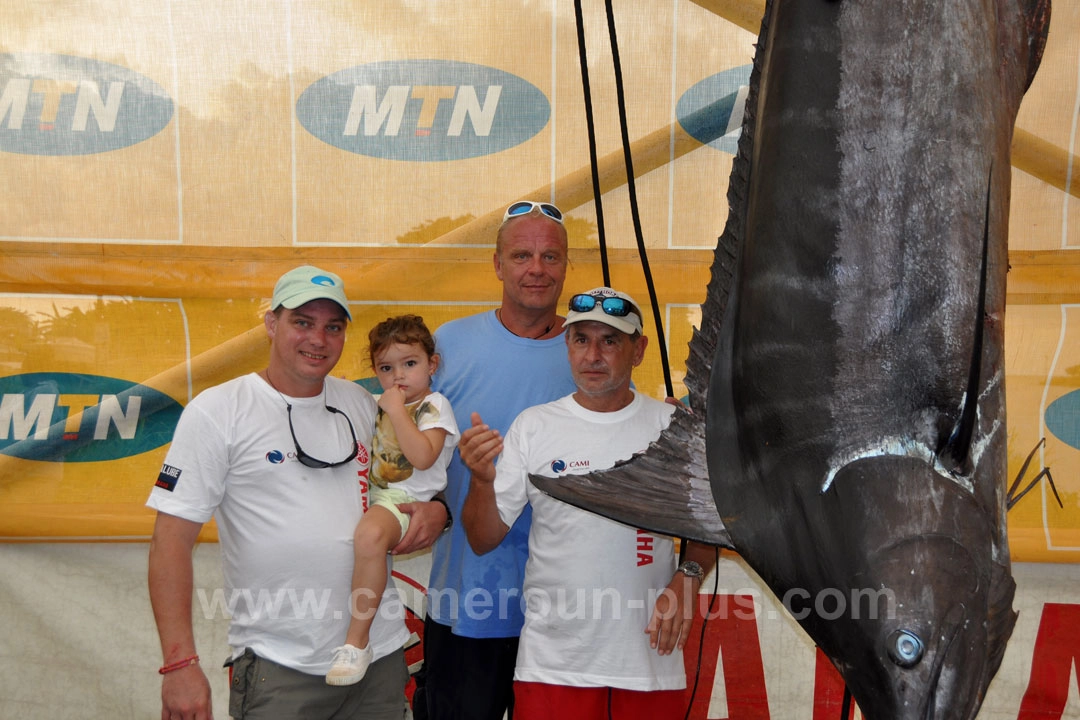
614	306
308	461
526	206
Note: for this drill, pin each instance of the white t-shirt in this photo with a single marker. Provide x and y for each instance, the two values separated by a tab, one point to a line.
590	583
391	468
286	530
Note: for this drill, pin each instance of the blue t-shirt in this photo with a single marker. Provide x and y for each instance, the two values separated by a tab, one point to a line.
486	369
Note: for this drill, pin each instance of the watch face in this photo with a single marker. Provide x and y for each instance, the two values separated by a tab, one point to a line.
691	569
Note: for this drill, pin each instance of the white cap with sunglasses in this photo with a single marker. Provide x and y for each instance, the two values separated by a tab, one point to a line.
607	306
525	207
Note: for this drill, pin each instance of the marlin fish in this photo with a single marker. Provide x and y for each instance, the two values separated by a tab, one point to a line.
846	429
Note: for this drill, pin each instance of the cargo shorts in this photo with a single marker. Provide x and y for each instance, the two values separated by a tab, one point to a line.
263	690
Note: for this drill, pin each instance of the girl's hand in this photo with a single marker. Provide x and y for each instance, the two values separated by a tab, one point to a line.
393	398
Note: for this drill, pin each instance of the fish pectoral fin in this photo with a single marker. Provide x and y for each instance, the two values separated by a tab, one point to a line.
955	453
664	490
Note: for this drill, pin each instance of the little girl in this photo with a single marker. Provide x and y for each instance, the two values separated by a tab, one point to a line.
415	436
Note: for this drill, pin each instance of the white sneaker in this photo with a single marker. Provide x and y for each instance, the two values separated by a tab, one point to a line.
350	665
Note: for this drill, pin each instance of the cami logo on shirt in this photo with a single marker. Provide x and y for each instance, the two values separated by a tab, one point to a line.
276	457
560	466
70	417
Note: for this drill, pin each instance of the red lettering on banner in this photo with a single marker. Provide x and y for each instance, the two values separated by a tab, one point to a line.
731	637
1057	651
829	690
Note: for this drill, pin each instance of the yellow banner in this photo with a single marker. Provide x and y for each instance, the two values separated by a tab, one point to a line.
163	162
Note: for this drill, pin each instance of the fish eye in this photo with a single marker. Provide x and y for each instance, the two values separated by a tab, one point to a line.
905	648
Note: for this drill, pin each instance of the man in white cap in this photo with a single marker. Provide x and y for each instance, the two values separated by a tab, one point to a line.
280	459
606	606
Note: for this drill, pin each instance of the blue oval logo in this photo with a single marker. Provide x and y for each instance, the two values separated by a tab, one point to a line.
711	111
62	417
65	105
423	110
1063	419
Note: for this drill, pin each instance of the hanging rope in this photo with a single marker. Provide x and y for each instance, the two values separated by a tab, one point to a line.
637	234
584	61
631	187
633	199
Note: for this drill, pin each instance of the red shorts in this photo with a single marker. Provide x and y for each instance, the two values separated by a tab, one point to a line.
539	701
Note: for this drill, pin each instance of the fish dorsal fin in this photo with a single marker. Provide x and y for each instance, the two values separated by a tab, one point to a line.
704	341
664	489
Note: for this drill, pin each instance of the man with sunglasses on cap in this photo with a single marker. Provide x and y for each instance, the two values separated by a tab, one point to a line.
496	363
607	608
280	459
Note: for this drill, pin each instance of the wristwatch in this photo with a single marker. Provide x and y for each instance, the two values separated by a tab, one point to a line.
449	517
691	569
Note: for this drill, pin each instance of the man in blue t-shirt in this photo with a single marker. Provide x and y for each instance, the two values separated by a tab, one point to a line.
495	363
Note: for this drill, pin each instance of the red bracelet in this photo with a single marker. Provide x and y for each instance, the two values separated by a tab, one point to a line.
179	664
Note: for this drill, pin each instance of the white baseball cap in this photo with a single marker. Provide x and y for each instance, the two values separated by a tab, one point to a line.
607	306
307	283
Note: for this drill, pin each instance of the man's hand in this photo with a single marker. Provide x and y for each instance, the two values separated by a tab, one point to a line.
426	523
185	695
185	692
673	615
479	447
